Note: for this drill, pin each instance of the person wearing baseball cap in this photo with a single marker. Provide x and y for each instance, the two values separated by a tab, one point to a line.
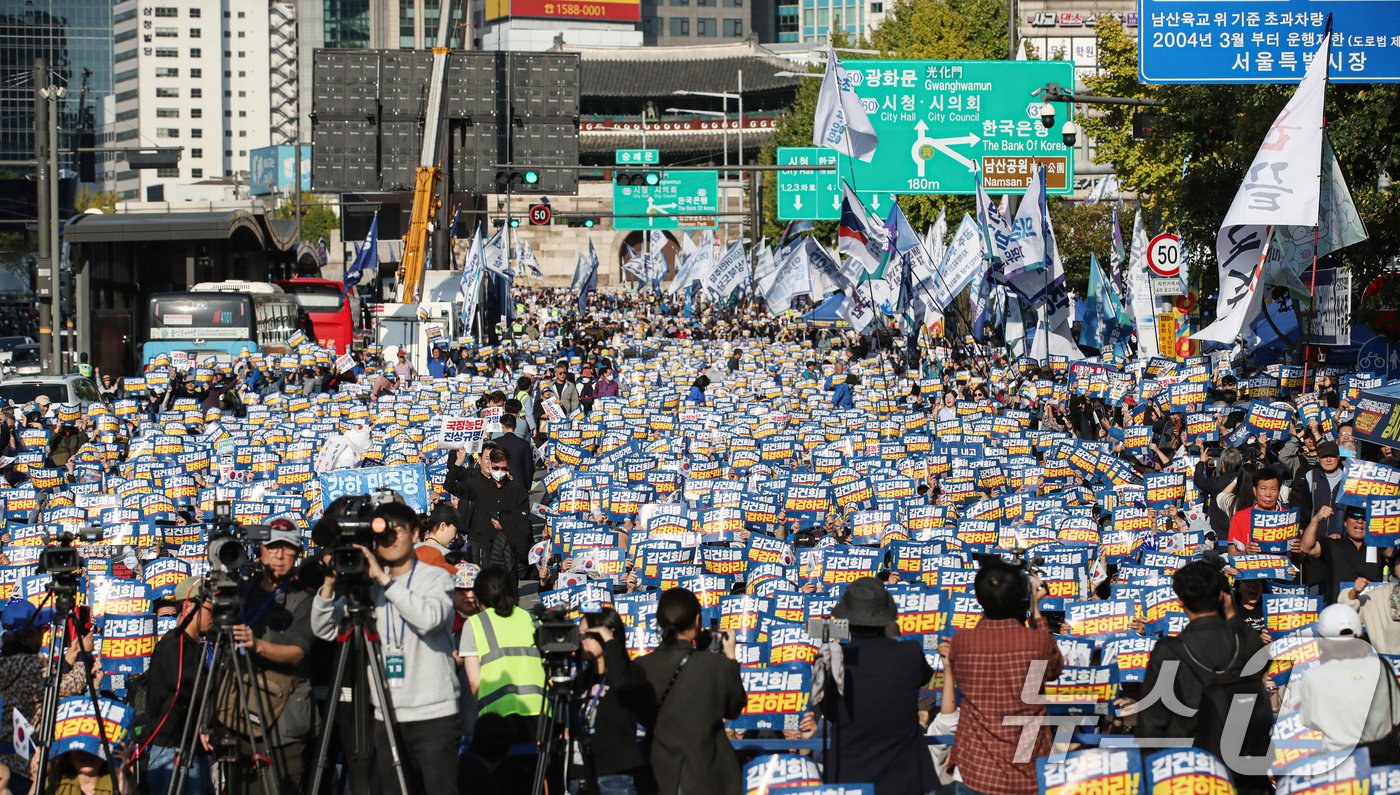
170	683
275	631
1345	559
1324	486
1351	697
874	706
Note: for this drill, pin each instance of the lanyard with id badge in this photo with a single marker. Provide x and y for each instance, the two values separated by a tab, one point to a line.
393	653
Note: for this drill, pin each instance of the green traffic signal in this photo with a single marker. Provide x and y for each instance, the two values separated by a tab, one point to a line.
514	223
532	177
653	178
588	223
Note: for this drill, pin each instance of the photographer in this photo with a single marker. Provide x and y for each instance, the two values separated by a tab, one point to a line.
611	695
994	662
275	631
170	682
874	707
413	616
503	666
695	694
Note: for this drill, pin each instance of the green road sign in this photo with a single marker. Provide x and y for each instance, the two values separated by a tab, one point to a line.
942	122
681	200
638	157
806	195
816	195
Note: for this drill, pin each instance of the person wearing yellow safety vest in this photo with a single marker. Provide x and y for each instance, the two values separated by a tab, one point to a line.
503	667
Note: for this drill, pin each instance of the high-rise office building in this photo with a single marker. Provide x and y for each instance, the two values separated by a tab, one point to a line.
197	74
74	37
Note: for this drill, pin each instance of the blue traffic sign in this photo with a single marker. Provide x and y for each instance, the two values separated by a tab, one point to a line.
1380	357
1268	41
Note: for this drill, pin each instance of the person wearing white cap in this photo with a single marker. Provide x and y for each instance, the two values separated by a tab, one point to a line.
275	631
1351	696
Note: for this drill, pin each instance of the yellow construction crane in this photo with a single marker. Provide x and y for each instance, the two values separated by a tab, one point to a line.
425	201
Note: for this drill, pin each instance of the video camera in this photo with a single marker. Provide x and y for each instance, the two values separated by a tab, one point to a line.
229	563
349	522
559	642
64	565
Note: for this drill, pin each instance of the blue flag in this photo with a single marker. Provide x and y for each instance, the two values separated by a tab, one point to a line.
366	258
588	280
1105	323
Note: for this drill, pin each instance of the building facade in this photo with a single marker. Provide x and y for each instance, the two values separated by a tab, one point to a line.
195	74
74	37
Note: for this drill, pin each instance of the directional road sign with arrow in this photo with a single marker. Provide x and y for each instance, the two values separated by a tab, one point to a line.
943	125
816	195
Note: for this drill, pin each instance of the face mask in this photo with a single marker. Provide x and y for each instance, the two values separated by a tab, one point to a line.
498	476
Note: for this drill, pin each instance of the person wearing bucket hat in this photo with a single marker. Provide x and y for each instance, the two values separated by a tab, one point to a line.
170	682
869	691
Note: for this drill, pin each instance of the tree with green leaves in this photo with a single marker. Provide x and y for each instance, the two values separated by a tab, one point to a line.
317	220
1205	138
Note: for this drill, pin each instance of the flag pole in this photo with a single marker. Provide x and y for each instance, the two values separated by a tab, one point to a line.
1317	228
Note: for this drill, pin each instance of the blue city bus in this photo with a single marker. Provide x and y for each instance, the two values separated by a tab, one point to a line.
219	320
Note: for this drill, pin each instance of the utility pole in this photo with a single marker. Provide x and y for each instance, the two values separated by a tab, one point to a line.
45	270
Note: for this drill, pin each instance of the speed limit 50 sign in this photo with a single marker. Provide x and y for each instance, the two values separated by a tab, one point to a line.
1164	255
539	214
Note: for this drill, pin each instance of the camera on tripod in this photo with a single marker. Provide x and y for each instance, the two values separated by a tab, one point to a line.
559	642
348	523
64	564
229	563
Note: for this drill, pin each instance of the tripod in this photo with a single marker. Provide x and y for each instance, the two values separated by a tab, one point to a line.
225	661
557	721
358	637
63	591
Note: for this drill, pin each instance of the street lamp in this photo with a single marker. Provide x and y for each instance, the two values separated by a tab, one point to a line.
724	130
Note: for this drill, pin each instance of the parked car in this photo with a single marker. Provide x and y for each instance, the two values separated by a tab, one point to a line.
22	359
59	389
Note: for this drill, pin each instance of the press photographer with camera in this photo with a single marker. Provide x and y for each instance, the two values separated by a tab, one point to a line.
995	662
611	697
696	692
274	629
170	693
412	606
873	705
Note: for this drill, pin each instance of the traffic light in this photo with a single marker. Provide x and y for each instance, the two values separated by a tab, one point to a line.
515	223
585	222
648	178
517	177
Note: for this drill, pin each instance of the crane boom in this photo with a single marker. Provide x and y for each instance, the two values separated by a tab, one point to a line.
425	202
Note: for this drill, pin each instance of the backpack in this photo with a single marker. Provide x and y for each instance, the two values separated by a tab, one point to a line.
1220	692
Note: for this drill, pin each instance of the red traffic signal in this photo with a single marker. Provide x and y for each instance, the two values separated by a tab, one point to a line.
539	214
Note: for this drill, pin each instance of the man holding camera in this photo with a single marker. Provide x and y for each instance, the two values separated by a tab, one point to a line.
993	662
275	631
413	616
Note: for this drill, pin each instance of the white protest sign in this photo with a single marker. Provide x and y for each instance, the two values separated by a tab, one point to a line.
466	433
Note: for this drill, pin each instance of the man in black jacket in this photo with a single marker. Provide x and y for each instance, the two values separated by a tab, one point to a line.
497	507
522	458
1211	649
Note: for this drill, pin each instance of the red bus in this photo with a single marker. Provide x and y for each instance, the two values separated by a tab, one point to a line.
335	317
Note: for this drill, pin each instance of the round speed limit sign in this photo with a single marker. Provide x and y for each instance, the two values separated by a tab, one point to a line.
1164	255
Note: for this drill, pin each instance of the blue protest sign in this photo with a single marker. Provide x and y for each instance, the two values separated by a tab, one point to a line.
408	480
